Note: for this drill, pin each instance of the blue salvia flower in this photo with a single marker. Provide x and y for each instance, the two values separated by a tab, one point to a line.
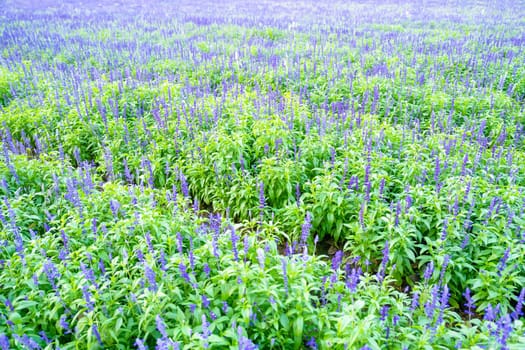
193	307
443	304
191	255
384	312
52	273
446	261
312	344
518	312
503	261
382	270
205	331
28	342
196	205
87	297
44	337
337	260
162	260
184	272
101	267
465	241
444	231
205	302
353	183
262	200
415	301
490	314
234	239
504	330
408	201
184	185
353	278
139	343
429	271
89	275
9	305
285	276
147	236
431	304
398	212
97	334
179	243
244	342
381	187
206	269
161	327
215	225
151	277
246	247
64	325
305	229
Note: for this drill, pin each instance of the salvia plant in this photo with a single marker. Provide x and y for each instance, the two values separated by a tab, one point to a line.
262	175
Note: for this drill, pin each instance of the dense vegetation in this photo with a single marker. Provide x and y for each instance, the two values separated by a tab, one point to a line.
272	175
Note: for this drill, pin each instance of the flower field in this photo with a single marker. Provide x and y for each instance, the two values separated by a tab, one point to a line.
262	174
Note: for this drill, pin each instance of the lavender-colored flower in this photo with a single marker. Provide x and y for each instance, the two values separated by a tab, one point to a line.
446	261
94	328
382	270
28	342
305	229
444	230
285	275
224	307
262	200
234	239
191	255
431	304
381	186
87	297
246	247
4	342
244	342
64	325
205	302
312	344
443	304
205	331
184	185
179	243
415	301
518	312
490	313
151	277
44	337
139	343
184	272
193	307
114	205
429	271
503	261
52	273
161	327
162	260
504	330
206	269
89	274
298	194
337	260
384	312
